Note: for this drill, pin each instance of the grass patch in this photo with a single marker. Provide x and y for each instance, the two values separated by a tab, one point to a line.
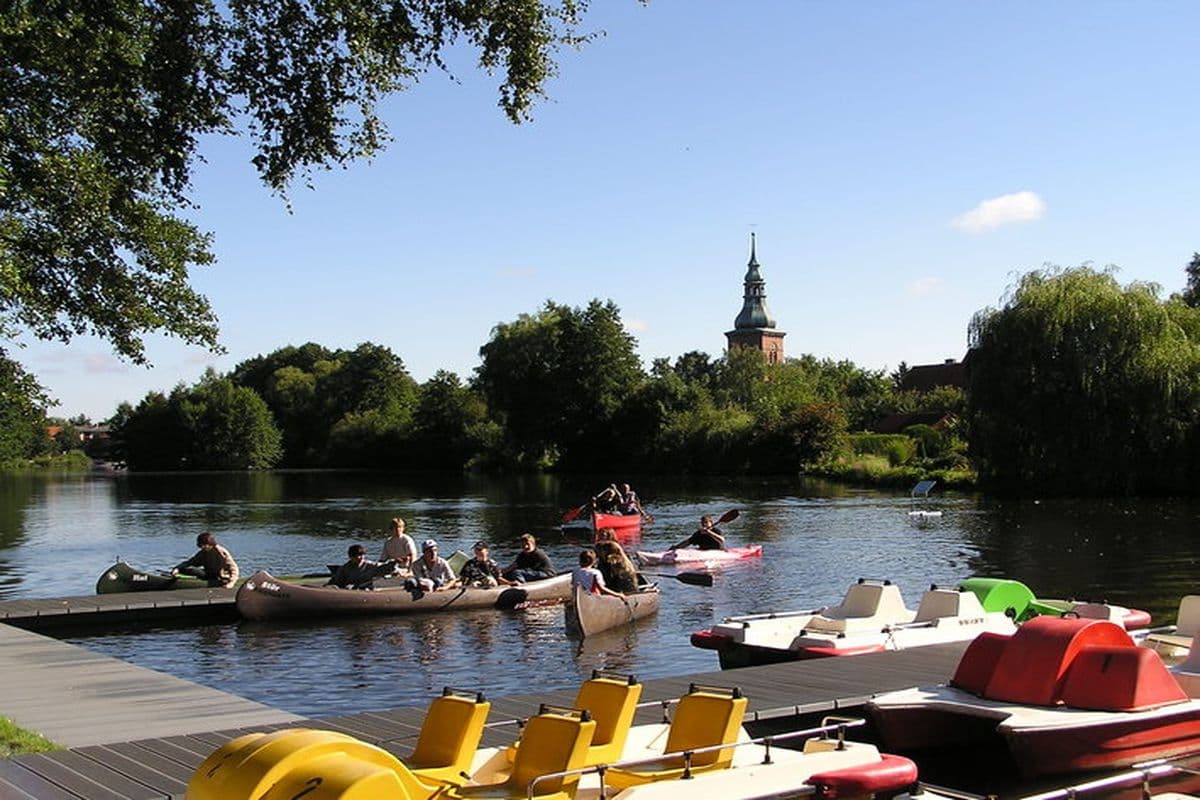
876	470
15	740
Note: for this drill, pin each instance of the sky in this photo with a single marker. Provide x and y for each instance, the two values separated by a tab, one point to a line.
901	165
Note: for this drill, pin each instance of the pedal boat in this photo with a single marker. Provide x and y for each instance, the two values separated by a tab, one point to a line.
1061	695
562	754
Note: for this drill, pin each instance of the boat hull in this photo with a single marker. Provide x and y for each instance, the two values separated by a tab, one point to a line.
123	577
653	559
587	614
264	596
623	525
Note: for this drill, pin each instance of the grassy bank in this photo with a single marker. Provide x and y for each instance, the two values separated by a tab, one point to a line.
72	461
872	470
15	740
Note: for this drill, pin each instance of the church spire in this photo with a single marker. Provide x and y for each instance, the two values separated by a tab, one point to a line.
754	326
754	313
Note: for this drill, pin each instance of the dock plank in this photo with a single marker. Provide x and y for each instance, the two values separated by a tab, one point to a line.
18	781
145	768
59	770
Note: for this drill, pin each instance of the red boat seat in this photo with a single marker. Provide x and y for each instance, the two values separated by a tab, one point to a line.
1119	679
887	776
977	664
1035	660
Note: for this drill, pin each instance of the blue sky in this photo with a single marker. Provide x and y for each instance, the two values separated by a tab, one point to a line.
901	164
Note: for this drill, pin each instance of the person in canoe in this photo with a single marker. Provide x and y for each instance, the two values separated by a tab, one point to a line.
707	537
628	502
399	547
212	563
430	572
359	572
589	578
613	563
608	500
531	564
482	571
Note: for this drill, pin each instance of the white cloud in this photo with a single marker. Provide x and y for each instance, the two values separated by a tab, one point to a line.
636	325
1003	210
923	287
88	363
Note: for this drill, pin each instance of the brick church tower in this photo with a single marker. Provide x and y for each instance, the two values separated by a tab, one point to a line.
754	326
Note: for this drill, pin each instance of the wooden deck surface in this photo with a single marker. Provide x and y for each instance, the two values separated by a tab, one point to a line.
198	605
146	763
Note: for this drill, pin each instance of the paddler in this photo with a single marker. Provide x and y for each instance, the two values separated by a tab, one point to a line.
708	537
212	563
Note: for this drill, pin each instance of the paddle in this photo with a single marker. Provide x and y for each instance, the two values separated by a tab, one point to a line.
574	513
728	516
690	578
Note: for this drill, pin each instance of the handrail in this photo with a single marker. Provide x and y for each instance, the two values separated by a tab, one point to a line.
1140	773
839	727
774	615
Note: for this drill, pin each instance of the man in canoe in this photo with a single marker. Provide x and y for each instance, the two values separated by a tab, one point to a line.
212	563
431	572
708	537
482	571
531	564
399	547
628	502
618	571
359	572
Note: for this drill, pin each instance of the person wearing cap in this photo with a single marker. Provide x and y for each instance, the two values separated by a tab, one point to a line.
482	571
359	572
212	563
430	572
399	547
531	564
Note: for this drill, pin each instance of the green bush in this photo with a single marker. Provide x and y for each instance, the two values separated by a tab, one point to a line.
897	448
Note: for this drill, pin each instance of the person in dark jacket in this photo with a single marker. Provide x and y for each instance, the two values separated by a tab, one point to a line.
708	537
531	564
359	572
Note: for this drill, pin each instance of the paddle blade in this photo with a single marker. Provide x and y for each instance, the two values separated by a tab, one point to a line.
730	515
511	598
572	515
695	578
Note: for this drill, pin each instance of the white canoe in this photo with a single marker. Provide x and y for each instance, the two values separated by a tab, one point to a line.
588	613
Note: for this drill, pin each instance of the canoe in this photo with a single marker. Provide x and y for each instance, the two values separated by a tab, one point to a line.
687	556
620	523
263	596
588	613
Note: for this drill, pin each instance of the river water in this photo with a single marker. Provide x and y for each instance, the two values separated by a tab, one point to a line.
57	534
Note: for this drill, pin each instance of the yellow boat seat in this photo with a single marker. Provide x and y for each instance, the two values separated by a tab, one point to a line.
299	762
707	716
449	736
556	740
611	698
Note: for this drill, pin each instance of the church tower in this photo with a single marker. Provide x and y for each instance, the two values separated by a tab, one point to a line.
754	326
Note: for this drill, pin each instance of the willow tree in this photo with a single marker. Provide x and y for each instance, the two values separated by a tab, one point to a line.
1080	385
103	104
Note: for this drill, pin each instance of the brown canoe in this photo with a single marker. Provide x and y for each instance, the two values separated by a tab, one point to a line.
263	596
588	613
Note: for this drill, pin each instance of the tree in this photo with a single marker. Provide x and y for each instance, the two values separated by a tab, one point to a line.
22	412
105	103
1191	295
450	425
557	379
1080	385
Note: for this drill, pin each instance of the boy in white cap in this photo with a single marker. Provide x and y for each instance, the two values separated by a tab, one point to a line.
430	572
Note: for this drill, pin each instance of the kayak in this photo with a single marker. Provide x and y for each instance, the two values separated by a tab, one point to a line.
588	613
263	596
653	559
621	524
124	577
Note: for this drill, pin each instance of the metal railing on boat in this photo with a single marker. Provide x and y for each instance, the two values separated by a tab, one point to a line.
828	726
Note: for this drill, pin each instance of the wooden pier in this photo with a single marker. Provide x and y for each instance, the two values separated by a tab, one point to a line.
111	761
183	605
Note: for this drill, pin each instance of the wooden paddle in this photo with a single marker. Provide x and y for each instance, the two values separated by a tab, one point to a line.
574	513
728	516
690	578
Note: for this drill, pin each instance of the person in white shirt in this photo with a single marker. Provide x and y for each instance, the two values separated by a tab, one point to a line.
399	547
588	578
430	572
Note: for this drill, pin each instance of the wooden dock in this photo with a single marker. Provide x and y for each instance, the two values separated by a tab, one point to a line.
116	764
183	605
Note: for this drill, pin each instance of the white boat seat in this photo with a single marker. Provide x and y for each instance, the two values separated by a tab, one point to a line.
937	603
1188	621
866	605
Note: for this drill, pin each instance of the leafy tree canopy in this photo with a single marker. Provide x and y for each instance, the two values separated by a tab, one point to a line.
1080	385
104	103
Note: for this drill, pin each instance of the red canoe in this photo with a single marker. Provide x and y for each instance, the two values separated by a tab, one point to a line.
621	524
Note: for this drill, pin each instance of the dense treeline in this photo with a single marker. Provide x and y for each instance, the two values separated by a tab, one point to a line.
562	388
1076	385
